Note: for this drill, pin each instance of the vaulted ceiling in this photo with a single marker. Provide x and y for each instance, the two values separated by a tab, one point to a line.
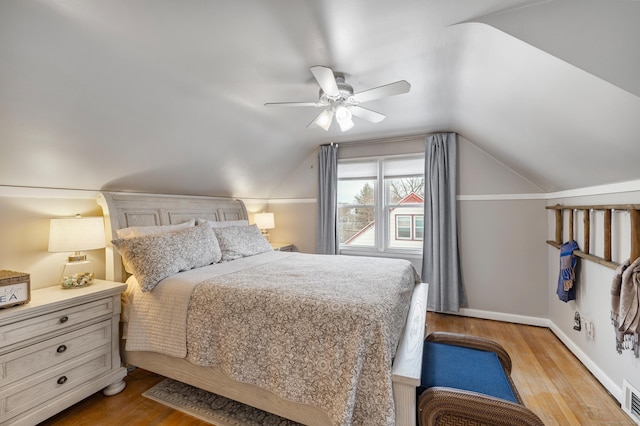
168	96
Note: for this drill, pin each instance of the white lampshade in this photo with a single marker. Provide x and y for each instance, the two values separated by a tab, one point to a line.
264	220
324	119
343	117
76	234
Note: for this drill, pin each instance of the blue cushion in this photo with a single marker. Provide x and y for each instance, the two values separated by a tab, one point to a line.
464	368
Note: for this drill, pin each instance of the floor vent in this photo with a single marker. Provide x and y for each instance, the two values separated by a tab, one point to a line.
631	403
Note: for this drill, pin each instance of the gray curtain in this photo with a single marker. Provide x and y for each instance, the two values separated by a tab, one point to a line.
441	263
327	235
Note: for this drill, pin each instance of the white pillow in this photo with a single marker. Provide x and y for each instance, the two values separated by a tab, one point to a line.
154	257
241	241
223	223
139	231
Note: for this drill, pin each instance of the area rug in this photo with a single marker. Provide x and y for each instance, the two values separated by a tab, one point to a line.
210	407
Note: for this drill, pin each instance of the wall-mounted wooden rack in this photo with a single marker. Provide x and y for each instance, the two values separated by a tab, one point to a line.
634	212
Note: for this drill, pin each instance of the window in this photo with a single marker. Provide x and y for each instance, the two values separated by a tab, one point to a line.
380	203
409	227
403	227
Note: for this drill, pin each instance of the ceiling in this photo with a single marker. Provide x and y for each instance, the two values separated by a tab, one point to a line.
168	96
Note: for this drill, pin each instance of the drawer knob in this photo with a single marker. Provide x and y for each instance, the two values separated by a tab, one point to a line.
62	380
61	349
64	319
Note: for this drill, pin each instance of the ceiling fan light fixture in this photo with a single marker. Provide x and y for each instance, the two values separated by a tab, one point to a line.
324	119
344	118
345	125
337	99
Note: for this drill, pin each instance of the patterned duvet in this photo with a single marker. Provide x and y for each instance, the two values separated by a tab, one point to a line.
314	329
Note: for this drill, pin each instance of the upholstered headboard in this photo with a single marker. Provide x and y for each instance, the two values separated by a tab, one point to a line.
122	210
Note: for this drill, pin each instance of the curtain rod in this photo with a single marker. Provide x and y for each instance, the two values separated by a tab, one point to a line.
386	140
389	140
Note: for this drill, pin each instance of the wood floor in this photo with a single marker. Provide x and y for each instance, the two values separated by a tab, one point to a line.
550	379
552	382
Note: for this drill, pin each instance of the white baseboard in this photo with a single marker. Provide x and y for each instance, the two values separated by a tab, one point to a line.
614	389
500	316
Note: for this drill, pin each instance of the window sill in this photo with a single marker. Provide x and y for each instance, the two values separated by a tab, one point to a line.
364	251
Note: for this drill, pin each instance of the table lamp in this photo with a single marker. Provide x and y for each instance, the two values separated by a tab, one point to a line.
264	221
76	234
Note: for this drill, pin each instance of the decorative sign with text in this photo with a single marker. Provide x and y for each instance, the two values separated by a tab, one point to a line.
15	288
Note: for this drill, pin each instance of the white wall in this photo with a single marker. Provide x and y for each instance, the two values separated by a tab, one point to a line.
503	256
295	223
593	299
295	207
24	231
502	250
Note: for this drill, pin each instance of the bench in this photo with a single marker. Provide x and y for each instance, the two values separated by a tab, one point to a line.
467	380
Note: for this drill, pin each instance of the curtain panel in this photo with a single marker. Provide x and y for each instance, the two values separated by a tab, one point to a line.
327	230
441	263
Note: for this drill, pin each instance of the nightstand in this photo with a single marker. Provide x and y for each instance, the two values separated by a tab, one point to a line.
282	246
58	349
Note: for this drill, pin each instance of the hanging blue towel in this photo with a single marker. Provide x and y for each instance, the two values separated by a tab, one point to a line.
566	289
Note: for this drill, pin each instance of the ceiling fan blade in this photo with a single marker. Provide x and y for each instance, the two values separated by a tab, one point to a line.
326	80
391	89
293	104
367	114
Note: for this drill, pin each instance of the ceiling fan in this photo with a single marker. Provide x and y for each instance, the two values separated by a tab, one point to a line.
339	101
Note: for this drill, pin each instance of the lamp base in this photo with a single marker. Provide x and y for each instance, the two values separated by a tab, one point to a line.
77	274
265	234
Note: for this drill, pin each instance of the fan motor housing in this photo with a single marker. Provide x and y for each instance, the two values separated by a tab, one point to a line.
346	91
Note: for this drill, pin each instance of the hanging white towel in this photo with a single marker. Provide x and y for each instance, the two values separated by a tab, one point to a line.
625	304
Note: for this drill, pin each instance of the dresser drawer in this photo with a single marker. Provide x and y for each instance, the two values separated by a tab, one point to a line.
56	382
54	322
32	359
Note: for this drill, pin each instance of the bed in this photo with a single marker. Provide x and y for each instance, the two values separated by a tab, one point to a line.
401	339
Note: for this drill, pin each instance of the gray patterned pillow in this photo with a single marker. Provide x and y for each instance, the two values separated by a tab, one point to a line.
241	241
139	231
154	257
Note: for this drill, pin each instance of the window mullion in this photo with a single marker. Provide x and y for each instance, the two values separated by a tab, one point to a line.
413	219
380	210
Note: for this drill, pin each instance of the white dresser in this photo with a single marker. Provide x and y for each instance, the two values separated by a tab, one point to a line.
58	349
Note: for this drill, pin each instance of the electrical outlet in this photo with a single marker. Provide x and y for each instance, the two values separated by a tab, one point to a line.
590	330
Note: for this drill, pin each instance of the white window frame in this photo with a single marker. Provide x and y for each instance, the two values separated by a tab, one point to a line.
381	210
